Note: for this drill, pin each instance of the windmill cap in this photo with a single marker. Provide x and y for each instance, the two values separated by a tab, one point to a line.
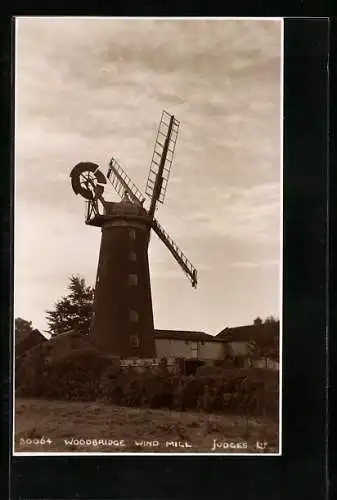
126	198
126	201
127	205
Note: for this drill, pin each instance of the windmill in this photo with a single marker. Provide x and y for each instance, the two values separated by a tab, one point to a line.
123	316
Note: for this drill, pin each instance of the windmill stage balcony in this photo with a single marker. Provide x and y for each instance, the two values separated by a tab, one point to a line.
98	213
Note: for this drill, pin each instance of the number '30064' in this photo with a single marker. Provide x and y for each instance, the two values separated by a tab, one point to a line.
35	441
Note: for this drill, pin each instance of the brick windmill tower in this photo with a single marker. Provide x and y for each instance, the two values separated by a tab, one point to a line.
123	317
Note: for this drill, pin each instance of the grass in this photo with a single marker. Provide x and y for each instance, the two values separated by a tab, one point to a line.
59	421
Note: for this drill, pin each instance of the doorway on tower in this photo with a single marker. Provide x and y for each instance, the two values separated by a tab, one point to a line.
191	366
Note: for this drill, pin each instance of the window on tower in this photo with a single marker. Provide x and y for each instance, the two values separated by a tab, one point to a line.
134	341
132	234
133	256
134	316
133	279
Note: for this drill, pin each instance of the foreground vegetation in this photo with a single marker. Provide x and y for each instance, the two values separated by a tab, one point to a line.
89	376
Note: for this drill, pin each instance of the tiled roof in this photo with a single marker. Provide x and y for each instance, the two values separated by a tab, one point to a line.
249	333
185	335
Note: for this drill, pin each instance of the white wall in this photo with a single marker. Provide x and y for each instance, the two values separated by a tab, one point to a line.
172	348
239	348
167	348
212	350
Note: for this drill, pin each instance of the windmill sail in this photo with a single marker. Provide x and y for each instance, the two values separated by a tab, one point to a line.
163	153
182	260
121	182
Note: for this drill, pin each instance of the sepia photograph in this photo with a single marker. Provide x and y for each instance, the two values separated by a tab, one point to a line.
148	174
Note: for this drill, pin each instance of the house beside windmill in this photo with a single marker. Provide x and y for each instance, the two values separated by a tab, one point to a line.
188	345
27	340
183	349
262	336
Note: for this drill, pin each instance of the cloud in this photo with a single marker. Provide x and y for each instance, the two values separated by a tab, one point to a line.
235	213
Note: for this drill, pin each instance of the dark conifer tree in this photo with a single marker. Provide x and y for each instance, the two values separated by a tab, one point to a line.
74	311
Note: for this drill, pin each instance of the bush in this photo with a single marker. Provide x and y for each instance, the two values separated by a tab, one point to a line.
72	378
88	376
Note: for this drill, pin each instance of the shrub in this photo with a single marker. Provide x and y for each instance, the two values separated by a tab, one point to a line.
88	376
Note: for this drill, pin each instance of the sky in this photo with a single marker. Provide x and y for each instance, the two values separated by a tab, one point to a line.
88	89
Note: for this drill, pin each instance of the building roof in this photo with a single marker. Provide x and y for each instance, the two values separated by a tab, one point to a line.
248	333
185	335
25	342
23	336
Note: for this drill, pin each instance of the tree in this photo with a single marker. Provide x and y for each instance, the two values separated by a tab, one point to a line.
270	320
267	342
74	310
22	327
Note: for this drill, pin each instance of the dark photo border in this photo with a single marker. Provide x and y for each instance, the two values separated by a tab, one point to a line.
332	325
301	470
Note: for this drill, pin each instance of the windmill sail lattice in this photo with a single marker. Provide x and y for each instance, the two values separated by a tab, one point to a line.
162	135
182	260
121	182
